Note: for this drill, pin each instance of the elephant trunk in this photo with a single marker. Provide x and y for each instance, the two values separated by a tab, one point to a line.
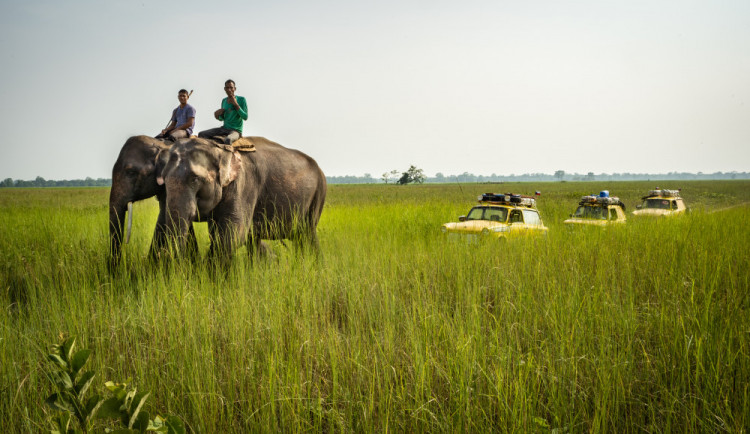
117	209
130	222
179	220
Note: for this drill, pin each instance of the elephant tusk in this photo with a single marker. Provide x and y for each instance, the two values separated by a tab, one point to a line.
130	222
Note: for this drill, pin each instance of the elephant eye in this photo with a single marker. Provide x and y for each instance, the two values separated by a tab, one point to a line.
131	172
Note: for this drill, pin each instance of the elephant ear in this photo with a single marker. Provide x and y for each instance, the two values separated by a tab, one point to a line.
231	163
160	162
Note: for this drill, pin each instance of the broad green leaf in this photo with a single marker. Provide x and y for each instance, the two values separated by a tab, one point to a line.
58	360
61	421
138	401
64	381
60	402
117	389
79	359
84	382
67	348
129	400
175	425
109	409
157	424
141	422
92	407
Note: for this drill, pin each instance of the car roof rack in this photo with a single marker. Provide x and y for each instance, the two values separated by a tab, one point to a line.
599	200
508	199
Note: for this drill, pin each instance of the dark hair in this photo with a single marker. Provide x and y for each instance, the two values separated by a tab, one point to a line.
182	91
230	81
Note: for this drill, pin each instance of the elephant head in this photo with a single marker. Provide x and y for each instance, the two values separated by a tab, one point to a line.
133	178
196	176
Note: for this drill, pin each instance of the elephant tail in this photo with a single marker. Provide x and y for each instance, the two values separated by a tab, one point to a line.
319	199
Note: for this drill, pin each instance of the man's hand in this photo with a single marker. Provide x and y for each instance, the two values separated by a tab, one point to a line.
231	99
218	113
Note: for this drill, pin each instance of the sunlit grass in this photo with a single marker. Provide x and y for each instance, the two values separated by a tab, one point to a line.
636	328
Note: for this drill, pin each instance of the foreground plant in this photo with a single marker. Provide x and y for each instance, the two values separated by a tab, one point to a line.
125	403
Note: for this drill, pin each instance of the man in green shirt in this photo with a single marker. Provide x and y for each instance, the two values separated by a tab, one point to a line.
233	112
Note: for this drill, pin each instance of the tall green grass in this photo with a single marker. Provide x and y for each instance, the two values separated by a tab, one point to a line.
637	328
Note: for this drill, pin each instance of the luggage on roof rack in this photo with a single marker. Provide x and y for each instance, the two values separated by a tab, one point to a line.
508	199
664	193
600	200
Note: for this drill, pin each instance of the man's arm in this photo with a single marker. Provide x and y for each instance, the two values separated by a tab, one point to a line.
242	108
169	128
219	114
240	104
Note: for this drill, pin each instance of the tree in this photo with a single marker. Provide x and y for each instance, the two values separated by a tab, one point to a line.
559	175
416	175
388	175
412	175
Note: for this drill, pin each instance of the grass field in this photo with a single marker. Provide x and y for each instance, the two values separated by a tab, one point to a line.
644	327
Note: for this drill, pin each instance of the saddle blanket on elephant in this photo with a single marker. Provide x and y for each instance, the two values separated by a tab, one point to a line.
243	144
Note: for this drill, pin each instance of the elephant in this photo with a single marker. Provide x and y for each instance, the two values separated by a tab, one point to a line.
273	193
134	177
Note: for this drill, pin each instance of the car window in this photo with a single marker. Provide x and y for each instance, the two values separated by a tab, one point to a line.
612	214
516	217
591	212
496	214
656	203
475	213
531	217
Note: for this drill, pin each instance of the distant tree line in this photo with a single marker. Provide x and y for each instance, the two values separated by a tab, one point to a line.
41	182
417	176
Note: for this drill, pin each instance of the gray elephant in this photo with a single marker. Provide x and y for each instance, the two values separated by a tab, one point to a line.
272	193
134	176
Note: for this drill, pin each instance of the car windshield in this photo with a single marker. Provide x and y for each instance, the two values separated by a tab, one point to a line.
591	212
656	203
488	213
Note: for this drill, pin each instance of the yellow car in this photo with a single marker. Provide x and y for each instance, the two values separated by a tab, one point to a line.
661	202
498	216
601	210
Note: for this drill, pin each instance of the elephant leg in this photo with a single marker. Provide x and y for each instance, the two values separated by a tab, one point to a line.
159	241
212	235
223	236
258	248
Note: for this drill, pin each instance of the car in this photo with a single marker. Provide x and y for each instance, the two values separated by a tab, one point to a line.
599	210
498	216
661	202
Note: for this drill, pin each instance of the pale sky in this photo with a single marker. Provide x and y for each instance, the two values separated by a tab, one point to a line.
484	87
